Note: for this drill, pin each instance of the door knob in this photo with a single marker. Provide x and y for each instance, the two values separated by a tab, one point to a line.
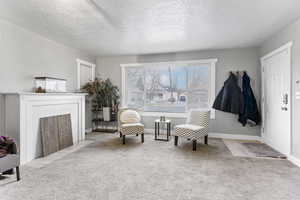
285	99
284	108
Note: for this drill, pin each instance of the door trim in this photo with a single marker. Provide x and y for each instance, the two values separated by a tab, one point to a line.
287	47
82	62
276	51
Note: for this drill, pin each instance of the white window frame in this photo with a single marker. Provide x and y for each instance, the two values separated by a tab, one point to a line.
211	62
86	63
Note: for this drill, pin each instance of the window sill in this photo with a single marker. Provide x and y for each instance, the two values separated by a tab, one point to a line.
172	115
166	114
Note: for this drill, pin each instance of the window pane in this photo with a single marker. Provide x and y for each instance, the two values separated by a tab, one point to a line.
168	87
198	87
135	87
162	94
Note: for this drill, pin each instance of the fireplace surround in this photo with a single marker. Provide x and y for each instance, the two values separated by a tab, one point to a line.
23	111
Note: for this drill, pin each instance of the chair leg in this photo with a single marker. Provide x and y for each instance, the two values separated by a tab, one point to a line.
205	139
8	172
142	136
176	141
123	139
120	134
194	145
18	173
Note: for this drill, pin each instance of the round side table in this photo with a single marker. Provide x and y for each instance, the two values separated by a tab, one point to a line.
160	128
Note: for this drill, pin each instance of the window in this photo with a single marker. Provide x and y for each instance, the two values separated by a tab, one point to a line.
169	87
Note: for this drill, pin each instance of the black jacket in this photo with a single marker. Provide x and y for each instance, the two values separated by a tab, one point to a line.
230	98
250	111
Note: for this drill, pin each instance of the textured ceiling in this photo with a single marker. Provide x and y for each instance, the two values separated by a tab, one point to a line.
115	27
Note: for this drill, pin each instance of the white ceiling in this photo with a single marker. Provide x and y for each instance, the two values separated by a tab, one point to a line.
115	27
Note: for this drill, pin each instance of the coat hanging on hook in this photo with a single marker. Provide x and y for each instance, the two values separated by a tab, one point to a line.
250	111
230	97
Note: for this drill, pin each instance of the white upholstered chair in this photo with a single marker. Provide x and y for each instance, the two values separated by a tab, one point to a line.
195	128
130	123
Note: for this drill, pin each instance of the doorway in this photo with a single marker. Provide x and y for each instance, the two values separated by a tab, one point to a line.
276	99
85	73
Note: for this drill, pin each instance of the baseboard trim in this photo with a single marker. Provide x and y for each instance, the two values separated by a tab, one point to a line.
294	160
234	136
223	136
149	131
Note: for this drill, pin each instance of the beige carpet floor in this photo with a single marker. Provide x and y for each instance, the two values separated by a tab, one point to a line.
104	169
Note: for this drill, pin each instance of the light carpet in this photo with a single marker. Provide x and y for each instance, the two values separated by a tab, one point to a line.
107	170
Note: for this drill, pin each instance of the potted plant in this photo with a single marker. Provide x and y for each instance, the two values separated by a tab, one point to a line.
104	95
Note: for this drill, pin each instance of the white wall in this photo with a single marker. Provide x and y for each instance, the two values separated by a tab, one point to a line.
24	54
230	59
290	33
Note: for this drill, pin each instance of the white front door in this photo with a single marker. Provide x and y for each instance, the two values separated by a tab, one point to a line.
276	99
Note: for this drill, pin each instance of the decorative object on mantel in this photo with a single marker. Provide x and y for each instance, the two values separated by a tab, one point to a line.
49	84
105	102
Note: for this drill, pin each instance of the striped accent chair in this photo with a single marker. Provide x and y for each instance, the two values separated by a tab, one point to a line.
129	121
195	128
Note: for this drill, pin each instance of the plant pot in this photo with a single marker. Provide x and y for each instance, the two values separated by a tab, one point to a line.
106	114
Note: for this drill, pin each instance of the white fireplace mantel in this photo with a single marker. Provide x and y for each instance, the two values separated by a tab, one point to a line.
22	112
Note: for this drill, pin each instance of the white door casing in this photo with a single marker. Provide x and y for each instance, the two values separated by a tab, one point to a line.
276	99
85	72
